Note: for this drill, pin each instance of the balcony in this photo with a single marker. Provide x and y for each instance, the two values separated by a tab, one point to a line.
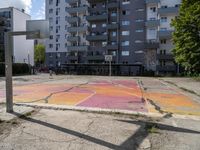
112	26
77	29
170	68
72	57
165	34
152	1
73	19
165	56
152	23
112	47
77	48
151	44
96	37
81	9
96	57
102	17
71	1
114	4
168	10
73	38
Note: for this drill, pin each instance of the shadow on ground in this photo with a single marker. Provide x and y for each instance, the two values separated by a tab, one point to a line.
131	143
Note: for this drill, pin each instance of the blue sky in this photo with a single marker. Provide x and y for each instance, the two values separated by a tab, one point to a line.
37	10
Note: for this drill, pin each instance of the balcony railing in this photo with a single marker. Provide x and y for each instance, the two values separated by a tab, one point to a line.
113	4
168	10
73	19
152	1
151	44
81	9
77	29
165	56
96	37
95	57
112	26
170	68
100	17
73	38
165	33
152	23
77	48
72	1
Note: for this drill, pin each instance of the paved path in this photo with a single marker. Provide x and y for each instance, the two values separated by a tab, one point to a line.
70	130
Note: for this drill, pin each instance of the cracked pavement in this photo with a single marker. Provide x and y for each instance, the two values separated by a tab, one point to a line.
72	130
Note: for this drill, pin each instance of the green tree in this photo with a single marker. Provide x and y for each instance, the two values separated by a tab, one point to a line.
39	55
186	37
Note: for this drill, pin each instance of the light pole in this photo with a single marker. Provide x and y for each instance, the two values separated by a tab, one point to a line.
35	29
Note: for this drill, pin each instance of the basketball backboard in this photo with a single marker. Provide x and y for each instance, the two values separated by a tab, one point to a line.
42	26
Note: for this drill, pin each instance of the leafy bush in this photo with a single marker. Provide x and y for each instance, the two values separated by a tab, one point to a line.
18	69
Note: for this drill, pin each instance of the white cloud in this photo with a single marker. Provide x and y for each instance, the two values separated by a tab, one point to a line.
40	13
20	4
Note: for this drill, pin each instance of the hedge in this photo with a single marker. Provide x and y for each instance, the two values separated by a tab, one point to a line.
18	69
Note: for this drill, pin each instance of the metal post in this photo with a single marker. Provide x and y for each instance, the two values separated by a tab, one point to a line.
8	72
8	37
110	69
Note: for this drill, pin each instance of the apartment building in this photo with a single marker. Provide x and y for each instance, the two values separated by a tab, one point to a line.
137	33
159	35
15	20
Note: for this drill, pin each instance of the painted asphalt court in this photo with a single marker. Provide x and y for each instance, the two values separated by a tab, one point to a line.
107	94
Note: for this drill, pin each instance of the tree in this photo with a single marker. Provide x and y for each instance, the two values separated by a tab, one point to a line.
39	55
186	37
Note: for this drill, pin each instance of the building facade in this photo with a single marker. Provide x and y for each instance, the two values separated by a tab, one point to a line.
15	20
137	33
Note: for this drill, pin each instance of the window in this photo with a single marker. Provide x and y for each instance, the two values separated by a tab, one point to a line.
50	20
50	45
50	2
153	9
57	11
58	55
125	53
140	9
114	33
126	12
94	5
139	30
104	25
164	41
50	55
104	44
113	13
125	2
163	52
125	43
51	28
163	19
51	37
125	33
139	52
125	23
94	25
139	20
138	41
50	11
163	29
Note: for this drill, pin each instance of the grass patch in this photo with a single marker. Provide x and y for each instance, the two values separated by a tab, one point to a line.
197	79
151	128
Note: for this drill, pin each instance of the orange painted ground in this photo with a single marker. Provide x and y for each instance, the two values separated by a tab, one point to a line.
115	94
